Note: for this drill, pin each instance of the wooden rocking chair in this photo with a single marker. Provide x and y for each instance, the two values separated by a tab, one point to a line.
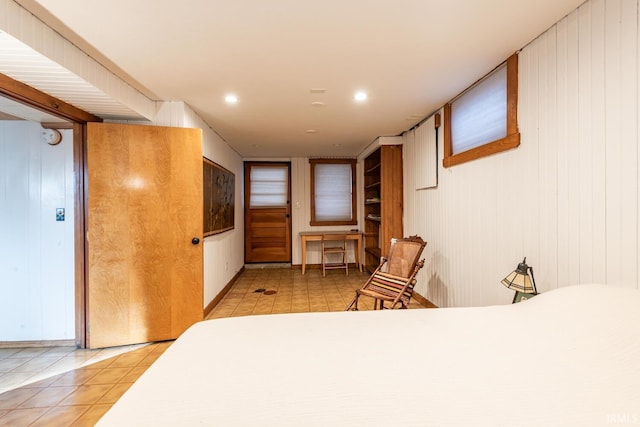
394	279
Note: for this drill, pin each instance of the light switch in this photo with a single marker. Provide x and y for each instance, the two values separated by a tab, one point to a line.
59	214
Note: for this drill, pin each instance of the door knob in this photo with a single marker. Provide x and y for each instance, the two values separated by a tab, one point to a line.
195	241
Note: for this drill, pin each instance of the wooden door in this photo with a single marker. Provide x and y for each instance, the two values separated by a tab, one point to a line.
144	208
267	218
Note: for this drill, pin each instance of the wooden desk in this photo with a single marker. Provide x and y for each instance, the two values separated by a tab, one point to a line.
310	236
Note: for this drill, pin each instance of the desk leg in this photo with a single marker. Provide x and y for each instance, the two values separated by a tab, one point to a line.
359	253
304	254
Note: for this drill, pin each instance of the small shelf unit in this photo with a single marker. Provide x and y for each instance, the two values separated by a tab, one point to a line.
382	202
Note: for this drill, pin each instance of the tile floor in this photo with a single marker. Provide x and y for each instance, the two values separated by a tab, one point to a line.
65	386
22	366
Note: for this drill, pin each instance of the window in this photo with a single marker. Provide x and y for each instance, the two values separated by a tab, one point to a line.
333	192
483	120
269	186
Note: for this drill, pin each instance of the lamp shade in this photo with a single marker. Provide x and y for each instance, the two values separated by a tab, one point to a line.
520	280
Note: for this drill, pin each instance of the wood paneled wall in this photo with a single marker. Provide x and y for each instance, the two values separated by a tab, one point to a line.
567	198
36	251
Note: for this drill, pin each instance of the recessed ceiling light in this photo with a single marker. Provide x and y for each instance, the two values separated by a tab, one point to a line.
317	104
311	131
231	99
360	96
337	145
317	90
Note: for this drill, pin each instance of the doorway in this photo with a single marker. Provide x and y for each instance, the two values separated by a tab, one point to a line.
267	215
37	223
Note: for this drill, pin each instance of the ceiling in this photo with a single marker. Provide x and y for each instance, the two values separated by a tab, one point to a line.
295	65
13	110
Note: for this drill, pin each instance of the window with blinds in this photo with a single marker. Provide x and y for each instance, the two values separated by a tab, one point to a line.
480	115
269	186
483	119
333	192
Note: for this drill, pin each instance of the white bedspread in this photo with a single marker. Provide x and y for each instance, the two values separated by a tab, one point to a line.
569	357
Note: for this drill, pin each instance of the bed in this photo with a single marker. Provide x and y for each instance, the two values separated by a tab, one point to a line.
568	357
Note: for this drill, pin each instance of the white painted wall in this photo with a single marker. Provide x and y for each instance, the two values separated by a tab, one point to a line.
36	252
567	198
301	216
224	252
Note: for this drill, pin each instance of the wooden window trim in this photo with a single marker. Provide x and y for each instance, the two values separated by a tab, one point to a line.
512	140
354	203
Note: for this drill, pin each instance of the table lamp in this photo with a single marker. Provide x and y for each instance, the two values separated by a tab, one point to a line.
521	281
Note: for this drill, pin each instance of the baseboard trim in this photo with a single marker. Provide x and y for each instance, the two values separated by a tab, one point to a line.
422	300
47	343
222	293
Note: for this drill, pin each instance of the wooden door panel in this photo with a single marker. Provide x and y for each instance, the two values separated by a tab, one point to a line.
268	218
267	224
265	245
144	207
269	233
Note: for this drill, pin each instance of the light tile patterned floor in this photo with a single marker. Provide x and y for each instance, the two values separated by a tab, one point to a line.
22	366
294	292
81	396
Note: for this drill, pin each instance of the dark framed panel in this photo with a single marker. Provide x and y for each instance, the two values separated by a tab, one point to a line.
219	187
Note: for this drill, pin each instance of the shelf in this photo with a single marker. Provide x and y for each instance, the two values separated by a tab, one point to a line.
371	234
374	185
372	169
372	203
373	219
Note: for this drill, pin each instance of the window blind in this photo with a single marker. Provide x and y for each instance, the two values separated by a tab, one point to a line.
479	115
268	186
333	192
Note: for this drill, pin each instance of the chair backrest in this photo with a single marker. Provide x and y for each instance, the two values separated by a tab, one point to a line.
338	237
404	254
334	238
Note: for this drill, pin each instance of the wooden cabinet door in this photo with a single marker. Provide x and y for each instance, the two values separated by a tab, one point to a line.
144	208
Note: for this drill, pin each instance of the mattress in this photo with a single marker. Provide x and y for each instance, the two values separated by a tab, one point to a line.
568	357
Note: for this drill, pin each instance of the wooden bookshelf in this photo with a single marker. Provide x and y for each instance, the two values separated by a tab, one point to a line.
382	202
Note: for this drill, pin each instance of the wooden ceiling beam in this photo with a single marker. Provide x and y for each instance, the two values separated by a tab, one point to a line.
35	98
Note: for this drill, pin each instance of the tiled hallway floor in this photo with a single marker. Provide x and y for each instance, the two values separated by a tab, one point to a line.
294	292
64	386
